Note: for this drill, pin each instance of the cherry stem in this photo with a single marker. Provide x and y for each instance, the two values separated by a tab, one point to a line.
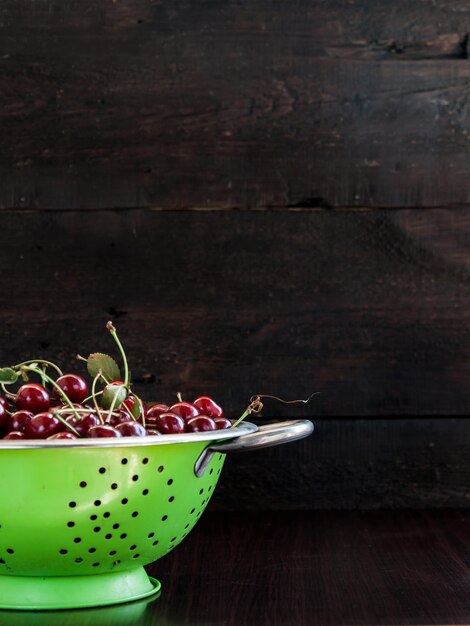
255	407
98	393
179	396
94	394
8	394
112	330
61	393
47	363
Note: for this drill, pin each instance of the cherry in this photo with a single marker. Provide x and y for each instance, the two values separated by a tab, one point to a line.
116	417
169	423
131	429
201	423
18	420
151	432
42	425
222	422
15	434
3	402
64	434
74	387
207	406
103	431
129	403
157	409
83	426
186	410
32	397
3	416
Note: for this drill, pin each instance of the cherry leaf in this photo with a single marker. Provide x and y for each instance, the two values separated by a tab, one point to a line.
106	364
8	376
114	391
135	409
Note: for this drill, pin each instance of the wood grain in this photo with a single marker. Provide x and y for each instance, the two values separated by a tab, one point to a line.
233	104
370	309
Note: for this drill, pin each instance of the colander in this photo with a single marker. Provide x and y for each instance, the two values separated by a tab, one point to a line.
80	518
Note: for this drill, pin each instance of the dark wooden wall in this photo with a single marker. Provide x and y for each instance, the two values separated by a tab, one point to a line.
266	197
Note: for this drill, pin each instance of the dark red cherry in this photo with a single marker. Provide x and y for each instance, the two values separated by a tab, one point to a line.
199	424
131	429
74	386
15	434
32	397
116	417
64	434
157	409
42	425
18	420
103	431
169	424
151	432
3	417
186	410
222	422
83	425
207	406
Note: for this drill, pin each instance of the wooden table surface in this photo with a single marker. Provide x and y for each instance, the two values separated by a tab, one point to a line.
303	568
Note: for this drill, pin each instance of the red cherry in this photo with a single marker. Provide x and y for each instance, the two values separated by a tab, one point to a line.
74	387
63	435
3	416
207	406
157	409
222	423
18	420
131	429
116	417
169	424
186	410
83	426
42	425
32	397
201	423
15	434
103	431
152	432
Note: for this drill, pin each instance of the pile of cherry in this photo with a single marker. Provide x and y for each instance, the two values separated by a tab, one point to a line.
34	413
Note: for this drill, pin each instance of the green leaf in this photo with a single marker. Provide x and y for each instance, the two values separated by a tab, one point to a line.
135	410
112	391
8	376
106	364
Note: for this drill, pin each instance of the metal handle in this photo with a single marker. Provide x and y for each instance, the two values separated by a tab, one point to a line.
265	437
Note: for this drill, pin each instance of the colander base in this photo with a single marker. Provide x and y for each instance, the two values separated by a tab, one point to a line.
34	593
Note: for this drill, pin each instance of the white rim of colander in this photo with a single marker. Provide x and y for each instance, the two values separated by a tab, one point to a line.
245	428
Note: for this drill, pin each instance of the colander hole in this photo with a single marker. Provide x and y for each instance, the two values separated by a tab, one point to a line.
91	550
2	562
220	457
124	501
96	564
203	502
145	492
114	486
209	488
170	482
218	472
93	517
135	477
63	551
155	542
96	529
201	491
133	547
83	484
116	562
150	535
72	504
145	461
79	560
124	461
123	536
135	514
136	556
112	553
77	540
102	470
107	514
97	502
192	511
10	551
161	468
171	498
187	526
70	524
212	470
173	539
164	518
108	536
115	526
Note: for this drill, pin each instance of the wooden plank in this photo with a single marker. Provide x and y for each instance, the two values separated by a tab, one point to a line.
370	309
233	104
355	464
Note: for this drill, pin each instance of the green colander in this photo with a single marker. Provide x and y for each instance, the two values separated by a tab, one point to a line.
80	518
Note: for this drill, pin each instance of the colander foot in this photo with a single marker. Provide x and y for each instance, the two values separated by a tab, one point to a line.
35	593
